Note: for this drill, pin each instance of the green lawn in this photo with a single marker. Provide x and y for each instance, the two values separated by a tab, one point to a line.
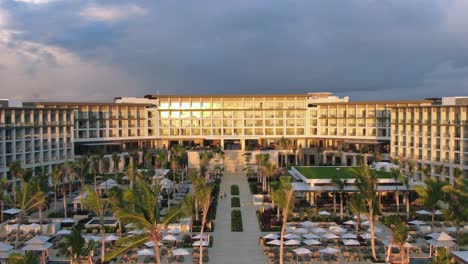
328	172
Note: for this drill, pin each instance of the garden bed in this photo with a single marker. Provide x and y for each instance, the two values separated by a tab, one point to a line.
236	221
234	189
235	202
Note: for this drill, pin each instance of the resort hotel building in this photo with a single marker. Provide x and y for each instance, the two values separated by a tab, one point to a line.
323	129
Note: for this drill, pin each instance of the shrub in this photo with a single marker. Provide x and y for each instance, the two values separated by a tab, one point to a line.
235	202
236	221
234	190
253	187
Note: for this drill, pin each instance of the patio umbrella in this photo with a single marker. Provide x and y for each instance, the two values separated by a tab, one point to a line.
349	236
337	229
423	212
197	243
200	237
38	240
307	224
451	229
151	244
300	231
302	251
330	236
312	242
319	230
12	211
441	236
350	222
363	217
275	242
351	242
416	222
436	243
111	238
37	247
310	236
180	252
136	232
324	213
365	223
169	238
63	232
68	221
5	247
145	252
329	250
365	236
291	236
292	242
438	212
271	236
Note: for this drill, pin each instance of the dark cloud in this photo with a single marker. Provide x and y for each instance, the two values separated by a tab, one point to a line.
365	49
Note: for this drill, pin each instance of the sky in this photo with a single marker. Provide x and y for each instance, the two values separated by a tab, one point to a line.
85	50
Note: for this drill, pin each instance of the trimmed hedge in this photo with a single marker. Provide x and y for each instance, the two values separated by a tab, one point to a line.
234	190
235	202
236	221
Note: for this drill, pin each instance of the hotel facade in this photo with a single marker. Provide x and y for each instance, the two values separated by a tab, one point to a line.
323	129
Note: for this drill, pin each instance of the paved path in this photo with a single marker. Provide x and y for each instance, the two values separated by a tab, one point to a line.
236	247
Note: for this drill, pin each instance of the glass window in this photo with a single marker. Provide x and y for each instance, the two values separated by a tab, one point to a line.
195	123
185	114
175	114
206	123
279	131
196	114
248	131
217	114
258	123
206	114
248	122
207	131
164	114
289	131
269	132
259	131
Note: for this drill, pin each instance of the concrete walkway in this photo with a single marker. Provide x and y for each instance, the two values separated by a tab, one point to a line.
236	247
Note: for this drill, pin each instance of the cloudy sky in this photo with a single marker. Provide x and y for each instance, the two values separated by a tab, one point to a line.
368	49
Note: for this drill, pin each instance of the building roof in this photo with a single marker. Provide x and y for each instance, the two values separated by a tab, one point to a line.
327	172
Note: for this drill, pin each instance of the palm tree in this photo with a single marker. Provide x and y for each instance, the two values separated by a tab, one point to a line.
141	208
181	154
70	174
28	258
358	207
75	246
161	160
99	206
396	175
366	183
4	197
427	171
135	157
16	171
340	184
82	169
334	178
57	175
95	168
115	163
405	180
457	210
197	183
269	171
131	173
204	199
399	237
287	205
28	200
442	257
39	185
430	194
205	158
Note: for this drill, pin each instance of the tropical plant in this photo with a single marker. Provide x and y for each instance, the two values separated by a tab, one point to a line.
405	181
95	167
4	197
57	175
442	257
366	183
287	204
141	208
399	237
131	174
204	199
27	200
75	247
358	207
457	209
82	169
205	158
340	185
430	195
396	175
28	258
16	171
115	164
269	170
99	207
427	171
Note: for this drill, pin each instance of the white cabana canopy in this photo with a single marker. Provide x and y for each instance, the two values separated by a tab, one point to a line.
169	238
94	238
291	236
351	242
275	242
438	212
350	222
145	252
151	244
416	222
312	242
319	230
423	212
441	236
307	224
329	250
292	242
271	236
461	255
324	213
310	236
174	231
204	237
5	247
302	251
68	221
112	238
197	243
337	229
136	232
330	236
63	232
12	211
180	252
365	236
38	240
300	231
349	236
389	243
436	243
365	223
109	184
37	247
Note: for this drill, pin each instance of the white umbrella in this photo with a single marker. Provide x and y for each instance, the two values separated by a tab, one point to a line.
200	237
312	242
180	252
5	247
363	217
416	222
365	236
12	211
349	236
68	221
351	242
197	243
329	250
145	252
271	236
438	212
423	212
310	236
275	242
330	236
319	230
151	244
365	223
112	238
307	224
292	242
291	236
337	229
136	232
302	251
37	247
169	238
300	231
324	213
38	240
63	232
441	236
350	222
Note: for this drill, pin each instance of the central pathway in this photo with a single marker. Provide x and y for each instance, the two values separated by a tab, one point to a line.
236	247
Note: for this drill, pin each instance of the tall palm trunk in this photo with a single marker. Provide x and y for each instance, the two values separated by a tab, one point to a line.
397	199
1	212
18	228
103	243
156	250
55	197
205	213
334	201
407	206
65	203
372	226
341	206
40	218
283	227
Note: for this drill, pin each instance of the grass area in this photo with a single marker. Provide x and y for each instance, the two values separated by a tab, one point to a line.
343	172
235	202
236	221
234	189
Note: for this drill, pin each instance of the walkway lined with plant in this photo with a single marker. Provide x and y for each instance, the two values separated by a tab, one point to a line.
236	247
